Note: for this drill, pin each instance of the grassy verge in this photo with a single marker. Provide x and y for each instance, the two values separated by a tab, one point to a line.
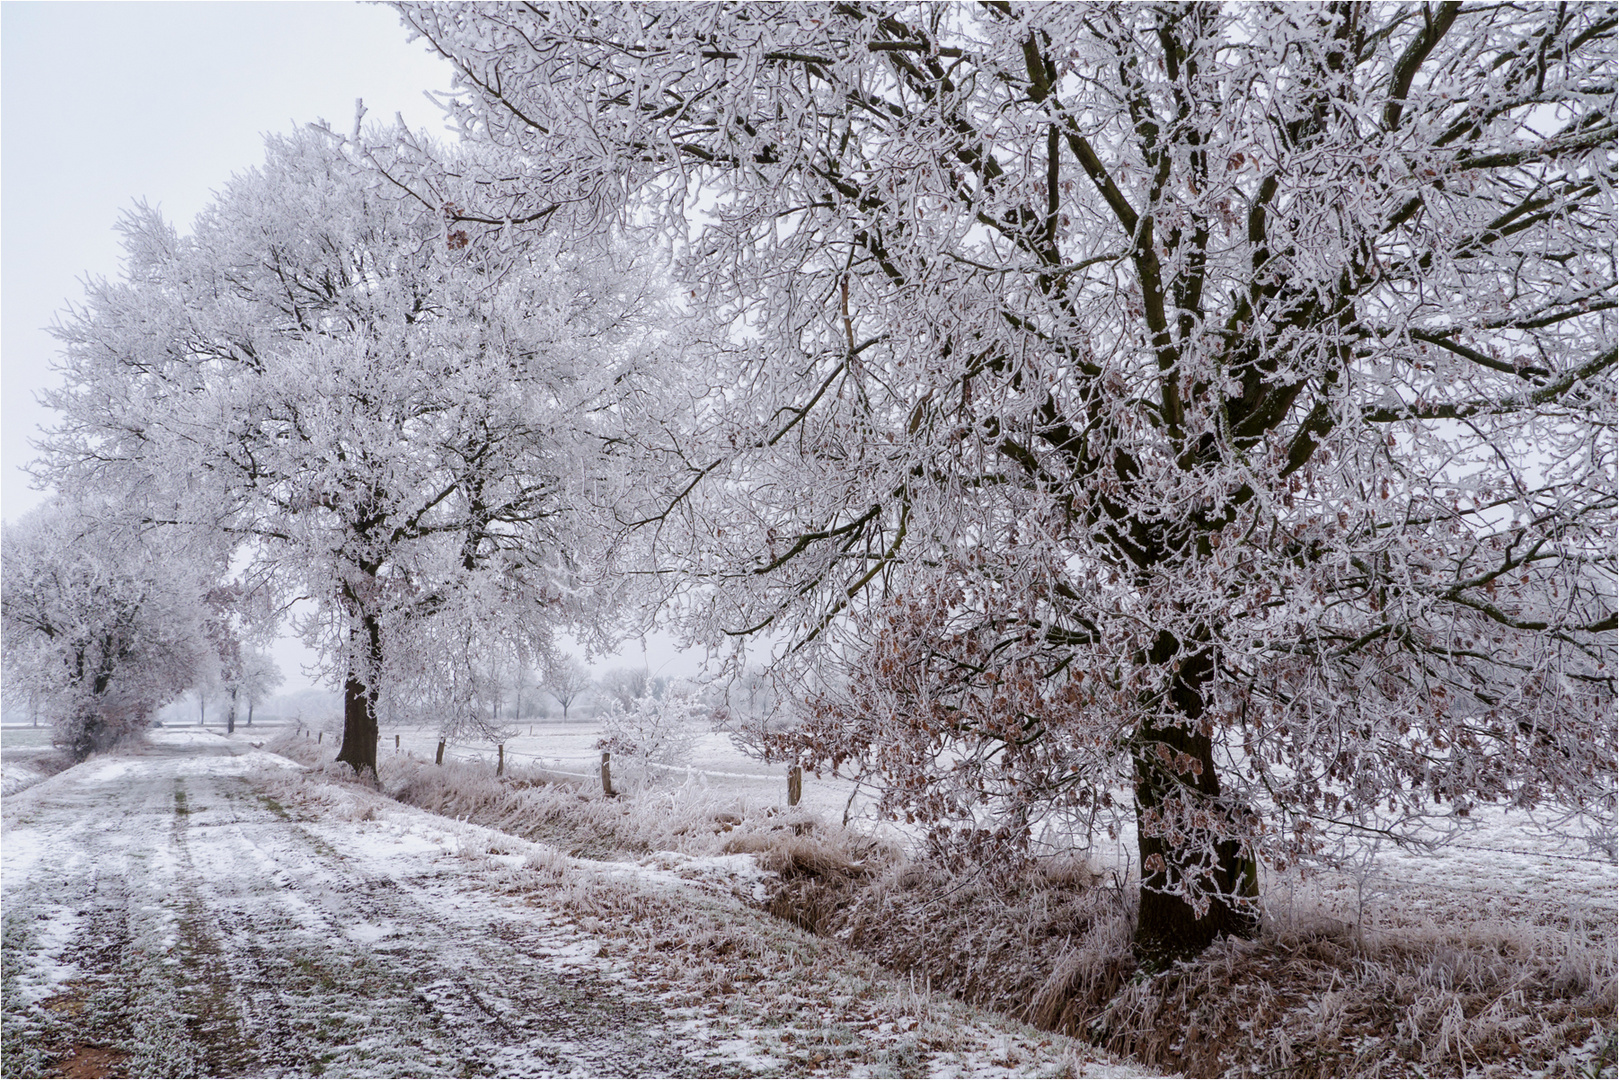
1471	988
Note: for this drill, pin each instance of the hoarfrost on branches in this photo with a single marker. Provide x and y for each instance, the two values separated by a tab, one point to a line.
395	416
1213	402
101	624
239	618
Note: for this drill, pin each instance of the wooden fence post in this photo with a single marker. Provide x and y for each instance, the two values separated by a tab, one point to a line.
438	759
396	742
795	785
500	768
607	774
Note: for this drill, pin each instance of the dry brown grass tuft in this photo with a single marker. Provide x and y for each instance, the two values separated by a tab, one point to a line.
798	850
1476	997
1469	990
1028	947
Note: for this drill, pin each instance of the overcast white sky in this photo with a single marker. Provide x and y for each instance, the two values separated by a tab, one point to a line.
102	104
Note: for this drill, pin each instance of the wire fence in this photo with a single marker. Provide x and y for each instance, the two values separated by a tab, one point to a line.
554	764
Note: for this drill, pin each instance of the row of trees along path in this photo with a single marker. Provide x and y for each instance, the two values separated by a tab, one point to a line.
1211	404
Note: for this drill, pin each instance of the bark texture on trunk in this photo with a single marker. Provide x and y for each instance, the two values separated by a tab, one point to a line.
1175	777
360	732
230	715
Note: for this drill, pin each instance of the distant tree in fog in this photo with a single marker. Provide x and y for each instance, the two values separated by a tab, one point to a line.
100	626
566	679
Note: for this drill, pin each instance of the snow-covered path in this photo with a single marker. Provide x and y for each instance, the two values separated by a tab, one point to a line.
164	914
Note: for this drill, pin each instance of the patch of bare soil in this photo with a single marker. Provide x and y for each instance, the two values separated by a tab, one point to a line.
81	1061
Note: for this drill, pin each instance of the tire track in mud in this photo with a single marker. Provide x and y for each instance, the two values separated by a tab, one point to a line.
78	911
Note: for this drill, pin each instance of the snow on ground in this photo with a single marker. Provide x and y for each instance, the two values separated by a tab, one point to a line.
23	757
199	907
1502	857
18	774
569	748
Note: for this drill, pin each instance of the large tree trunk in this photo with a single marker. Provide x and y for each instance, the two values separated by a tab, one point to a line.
1174	764
84	733
230	715
360	701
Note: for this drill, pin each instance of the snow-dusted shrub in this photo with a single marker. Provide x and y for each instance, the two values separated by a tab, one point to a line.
654	731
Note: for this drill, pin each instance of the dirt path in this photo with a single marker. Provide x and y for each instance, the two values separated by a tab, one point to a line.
165	915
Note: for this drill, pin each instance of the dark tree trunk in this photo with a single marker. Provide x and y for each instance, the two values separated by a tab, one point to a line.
84	735
360	732
249	712
1174	763
230	715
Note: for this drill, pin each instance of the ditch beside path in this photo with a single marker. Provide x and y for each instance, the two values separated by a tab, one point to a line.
198	908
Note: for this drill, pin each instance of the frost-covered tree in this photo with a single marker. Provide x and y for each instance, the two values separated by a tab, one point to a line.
566	679
1218	353
239	618
459	682
625	685
258	677
388	408
1210	403
101	626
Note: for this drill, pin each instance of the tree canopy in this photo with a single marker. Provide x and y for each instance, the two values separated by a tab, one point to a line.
1212	402
388	416
100	625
